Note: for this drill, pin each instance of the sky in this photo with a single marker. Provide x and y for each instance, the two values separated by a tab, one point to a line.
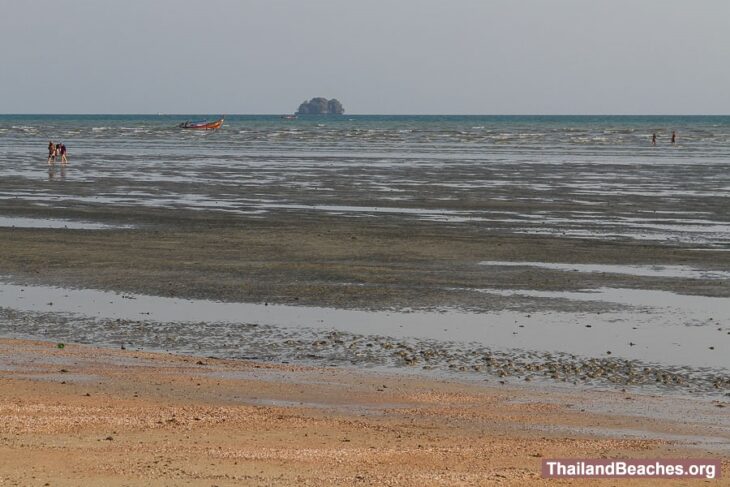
375	56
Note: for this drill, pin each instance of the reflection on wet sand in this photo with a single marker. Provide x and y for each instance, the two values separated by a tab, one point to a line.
52	172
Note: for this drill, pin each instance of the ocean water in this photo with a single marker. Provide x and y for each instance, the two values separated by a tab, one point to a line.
574	176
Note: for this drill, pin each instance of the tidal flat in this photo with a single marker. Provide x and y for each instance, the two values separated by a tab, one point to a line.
378	292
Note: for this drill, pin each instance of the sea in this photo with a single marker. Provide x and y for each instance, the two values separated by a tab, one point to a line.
595	177
573	177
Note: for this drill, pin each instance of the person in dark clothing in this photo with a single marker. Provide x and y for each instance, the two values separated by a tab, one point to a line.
51	152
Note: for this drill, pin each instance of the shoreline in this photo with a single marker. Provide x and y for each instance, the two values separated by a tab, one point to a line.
431	343
139	418
374	268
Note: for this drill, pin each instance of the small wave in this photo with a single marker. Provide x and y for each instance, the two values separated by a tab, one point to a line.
588	139
25	129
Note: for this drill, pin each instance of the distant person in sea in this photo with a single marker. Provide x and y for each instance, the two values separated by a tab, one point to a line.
51	152
674	137
653	138
63	154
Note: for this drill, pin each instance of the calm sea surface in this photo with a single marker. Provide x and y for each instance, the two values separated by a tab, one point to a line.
594	177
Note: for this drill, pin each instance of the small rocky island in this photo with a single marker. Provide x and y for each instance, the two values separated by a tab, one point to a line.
321	106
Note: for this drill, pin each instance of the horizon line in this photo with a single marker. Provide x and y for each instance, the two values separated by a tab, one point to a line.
160	114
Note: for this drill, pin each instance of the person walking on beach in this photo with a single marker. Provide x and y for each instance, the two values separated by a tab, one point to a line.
51	152
653	138
64	161
674	137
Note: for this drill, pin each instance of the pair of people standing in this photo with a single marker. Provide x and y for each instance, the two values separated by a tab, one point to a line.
56	150
674	138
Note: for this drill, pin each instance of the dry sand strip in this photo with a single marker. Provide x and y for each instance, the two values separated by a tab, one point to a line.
89	416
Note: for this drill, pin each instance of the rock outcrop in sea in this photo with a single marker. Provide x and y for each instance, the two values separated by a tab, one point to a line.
321	106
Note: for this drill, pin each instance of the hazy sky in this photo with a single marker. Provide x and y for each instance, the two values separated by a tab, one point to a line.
376	56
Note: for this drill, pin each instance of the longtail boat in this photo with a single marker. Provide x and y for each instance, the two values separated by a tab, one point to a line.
203	125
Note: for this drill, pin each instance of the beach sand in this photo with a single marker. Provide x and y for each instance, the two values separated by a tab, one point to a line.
89	416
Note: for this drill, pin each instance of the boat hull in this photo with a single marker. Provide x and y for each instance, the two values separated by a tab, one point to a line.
203	126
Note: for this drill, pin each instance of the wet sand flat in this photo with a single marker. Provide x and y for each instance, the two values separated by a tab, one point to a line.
81	415
521	299
317	259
